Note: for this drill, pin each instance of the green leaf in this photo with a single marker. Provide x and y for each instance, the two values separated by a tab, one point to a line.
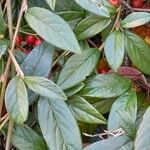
138	51
114	49
58	125
44	87
72	17
49	26
70	92
95	7
124	112
143	104
67	5
91	26
24	138
143	134
114	143
104	86
40	56
2	23
104	105
16	100
84	111
38	3
51	3
84	45
135	19
3	47
78	67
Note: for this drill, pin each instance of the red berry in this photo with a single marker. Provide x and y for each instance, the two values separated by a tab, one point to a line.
19	49
18	39
27	51
38	42
102	71
137	3
114	2
30	39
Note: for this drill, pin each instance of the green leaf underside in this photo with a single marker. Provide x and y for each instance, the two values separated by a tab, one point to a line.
143	134
114	143
58	125
95	7
135	19
114	49
16	100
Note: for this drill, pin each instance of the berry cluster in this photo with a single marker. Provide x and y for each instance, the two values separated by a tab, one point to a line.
134	3
29	43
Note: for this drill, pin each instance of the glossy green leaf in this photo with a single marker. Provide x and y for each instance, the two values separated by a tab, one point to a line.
124	112
77	68
72	17
138	51
40	56
114	49
3	47
104	105
70	92
114	143
143	134
91	26
58	125
49	26
143	104
51	3
67	5
38	3
44	87
135	19
2	23
95	7
84	111
104	86
24	138
16	100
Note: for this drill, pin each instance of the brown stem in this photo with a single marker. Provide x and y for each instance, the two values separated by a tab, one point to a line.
9	134
5	75
18	69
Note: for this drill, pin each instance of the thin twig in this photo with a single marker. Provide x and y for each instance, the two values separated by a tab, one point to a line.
4	117
9	134
57	59
4	122
7	68
9	16
92	43
18	69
